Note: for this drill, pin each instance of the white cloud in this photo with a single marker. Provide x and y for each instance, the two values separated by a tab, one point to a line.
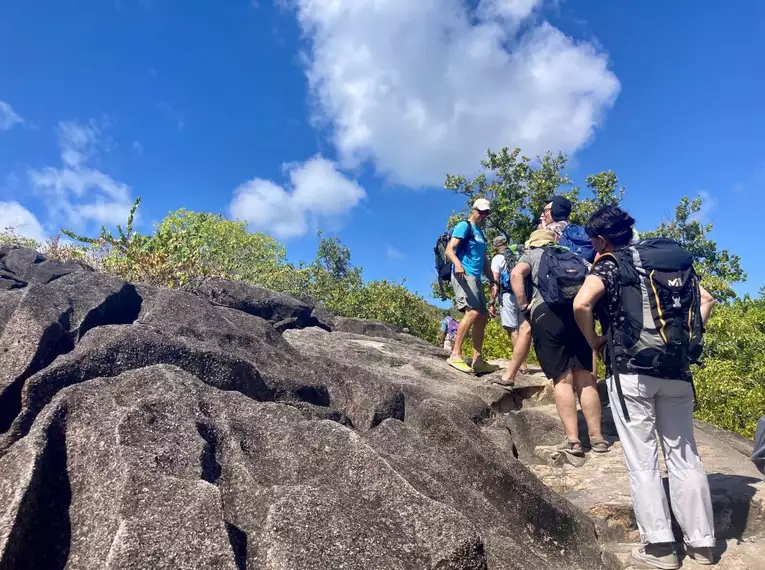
15	216
708	208
8	117
394	254
317	192
78	143
77	193
424	87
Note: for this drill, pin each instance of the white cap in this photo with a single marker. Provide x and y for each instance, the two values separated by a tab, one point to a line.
482	205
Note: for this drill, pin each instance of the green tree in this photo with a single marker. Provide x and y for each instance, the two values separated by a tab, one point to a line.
718	268
731	385
606	190
519	189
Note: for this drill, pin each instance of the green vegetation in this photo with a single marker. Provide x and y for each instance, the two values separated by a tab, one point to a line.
186	247
731	385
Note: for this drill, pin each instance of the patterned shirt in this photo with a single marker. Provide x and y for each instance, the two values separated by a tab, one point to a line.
607	307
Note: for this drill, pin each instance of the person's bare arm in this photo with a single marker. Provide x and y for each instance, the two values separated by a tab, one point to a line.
518	283
707	304
441	339
451	255
493	278
584	303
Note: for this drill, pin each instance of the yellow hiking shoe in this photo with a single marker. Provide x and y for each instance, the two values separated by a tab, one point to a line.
459	364
482	367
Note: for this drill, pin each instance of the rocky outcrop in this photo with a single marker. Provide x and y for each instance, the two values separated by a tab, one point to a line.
231	427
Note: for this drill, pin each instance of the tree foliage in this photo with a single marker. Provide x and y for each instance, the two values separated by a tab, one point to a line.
187	247
519	188
719	268
731	385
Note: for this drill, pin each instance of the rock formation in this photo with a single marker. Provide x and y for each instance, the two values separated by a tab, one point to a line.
237	428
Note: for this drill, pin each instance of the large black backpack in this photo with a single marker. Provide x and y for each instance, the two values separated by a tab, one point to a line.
561	274
443	265
659	330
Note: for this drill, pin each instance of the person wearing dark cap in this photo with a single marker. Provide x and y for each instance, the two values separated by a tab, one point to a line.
555	215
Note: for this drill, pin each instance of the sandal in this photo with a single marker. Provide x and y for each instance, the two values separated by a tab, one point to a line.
571	447
599	446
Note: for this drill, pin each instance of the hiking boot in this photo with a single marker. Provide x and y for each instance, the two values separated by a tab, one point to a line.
571	447
659	555
701	555
481	367
599	446
459	364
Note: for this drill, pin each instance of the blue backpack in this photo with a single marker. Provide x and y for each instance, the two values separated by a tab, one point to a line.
561	275
576	239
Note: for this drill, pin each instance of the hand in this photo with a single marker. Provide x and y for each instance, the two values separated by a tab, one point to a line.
599	344
494	290
492	311
459	271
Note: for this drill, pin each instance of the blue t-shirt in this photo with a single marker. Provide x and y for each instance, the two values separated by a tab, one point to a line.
472	257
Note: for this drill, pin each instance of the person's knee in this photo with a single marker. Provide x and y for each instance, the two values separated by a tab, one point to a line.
584	379
469	318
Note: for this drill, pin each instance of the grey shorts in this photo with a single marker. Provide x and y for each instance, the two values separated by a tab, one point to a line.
469	294
509	312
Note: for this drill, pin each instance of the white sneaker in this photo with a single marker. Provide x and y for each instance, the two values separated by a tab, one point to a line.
702	555
659	555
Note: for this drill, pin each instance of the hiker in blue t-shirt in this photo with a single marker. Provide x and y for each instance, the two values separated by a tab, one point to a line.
467	252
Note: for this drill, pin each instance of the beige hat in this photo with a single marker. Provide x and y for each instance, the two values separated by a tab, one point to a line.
541	238
499	241
482	205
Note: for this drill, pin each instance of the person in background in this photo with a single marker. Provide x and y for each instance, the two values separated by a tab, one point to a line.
555	216
648	397
758	453
449	327
562	351
469	298
513	321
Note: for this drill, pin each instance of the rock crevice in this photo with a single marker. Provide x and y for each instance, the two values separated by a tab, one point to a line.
236	428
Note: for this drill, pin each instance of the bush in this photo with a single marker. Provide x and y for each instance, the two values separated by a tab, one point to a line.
731	386
187	247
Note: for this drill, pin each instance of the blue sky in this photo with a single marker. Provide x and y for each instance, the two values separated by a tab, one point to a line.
344	116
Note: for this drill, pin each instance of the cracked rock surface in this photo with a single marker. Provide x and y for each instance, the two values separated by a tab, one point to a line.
237	428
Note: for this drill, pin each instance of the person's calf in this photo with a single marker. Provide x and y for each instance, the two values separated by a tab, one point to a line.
565	403
468	319
586	388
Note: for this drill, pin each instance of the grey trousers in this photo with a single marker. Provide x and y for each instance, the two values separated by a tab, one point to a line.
663	406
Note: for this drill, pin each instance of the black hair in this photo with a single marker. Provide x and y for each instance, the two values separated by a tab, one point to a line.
612	223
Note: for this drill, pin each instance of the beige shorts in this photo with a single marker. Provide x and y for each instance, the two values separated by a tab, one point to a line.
469	294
